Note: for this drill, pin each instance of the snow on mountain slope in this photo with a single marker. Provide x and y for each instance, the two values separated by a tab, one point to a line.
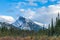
38	23
42	25
27	24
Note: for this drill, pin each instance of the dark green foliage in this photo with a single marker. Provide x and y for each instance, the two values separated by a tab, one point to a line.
49	30
52	28
55	29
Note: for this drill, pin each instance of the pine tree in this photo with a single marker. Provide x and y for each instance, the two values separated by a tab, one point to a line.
52	28
49	30
43	27
58	16
57	26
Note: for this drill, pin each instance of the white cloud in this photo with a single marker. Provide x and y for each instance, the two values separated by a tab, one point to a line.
54	9
46	13
28	13
31	0
22	10
25	4
32	4
7	19
43	1
52	0
19	4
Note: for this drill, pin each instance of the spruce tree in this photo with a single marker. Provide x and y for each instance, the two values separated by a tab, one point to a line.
57	26
52	28
49	30
58	16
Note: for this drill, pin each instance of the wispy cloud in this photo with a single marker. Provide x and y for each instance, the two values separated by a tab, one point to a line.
52	0
48	12
43	14
28	13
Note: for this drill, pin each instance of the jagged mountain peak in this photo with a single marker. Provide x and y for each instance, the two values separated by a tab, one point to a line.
26	24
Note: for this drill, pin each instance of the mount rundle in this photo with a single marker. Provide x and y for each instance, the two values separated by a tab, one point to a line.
26	24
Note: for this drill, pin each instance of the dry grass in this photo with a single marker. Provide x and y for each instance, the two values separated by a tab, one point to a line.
29	38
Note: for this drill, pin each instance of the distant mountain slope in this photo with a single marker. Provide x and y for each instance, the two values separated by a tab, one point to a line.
26	24
7	25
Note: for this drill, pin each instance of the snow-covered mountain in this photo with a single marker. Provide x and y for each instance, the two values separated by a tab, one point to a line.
27	24
7	19
21	22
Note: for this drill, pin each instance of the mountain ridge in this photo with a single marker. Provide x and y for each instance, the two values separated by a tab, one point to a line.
27	24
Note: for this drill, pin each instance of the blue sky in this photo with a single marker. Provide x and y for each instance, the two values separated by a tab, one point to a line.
37	10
